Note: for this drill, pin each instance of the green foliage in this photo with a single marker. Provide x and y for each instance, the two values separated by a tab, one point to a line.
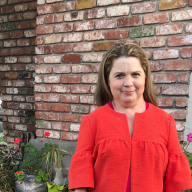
20	176
41	176
8	26
30	119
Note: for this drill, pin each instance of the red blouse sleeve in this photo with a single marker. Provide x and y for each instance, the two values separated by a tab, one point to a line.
81	167
178	173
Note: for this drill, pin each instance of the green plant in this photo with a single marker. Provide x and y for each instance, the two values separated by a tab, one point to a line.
19	175
41	176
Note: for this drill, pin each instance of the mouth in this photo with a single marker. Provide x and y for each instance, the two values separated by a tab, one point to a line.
128	92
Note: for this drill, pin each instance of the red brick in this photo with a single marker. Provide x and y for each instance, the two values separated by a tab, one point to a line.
39	40
153	42
117	34
60	107
4	35
165	54
72	37
61	88
44	29
18	83
20	8
18	67
143	7
38	97
71	58
66	6
83	47
6	97
33	6
188	28
71	79
69	117
38	115
51	116
7	9
95	68
39	133
69	98
64	27
62	48
43	50
106	23
57	18
3	2
52	79
38	59
177	113
148	53
11	75
52	59
44	9
87	99
180	40
156	66
7	112
14	119
92	57
182	15
51	97
74	16
81	68
10	59
43	106
190	2
42	88
9	43
164	77
30	15
13	105
27	106
24	59
69	136
30	33
107	2
94	35
62	68
156	18
180	65
41	69
183	77
181	101
118	10
40	20
80	89
84	26
186	53
89	78
23	25
4	52
103	45
60	126
130	21
171	4
175	89
80	108
94	13
23	42
15	17
52	39
16	34
157	89
38	79
30	99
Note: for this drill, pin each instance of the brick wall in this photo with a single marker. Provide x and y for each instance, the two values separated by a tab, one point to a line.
17	47
72	37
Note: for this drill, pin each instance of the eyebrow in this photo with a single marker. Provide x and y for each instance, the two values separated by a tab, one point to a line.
124	72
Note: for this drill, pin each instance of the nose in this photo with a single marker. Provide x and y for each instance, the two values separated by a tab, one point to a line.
128	82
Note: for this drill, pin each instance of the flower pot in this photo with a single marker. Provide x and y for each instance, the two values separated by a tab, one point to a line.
55	188
29	184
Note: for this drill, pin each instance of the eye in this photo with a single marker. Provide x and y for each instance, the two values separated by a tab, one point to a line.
136	74
120	75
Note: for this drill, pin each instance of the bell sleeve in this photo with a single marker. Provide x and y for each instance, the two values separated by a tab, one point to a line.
178	174
81	167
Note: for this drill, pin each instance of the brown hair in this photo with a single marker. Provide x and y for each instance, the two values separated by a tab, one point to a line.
102	93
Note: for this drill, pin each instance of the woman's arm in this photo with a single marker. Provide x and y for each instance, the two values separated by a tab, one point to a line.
81	190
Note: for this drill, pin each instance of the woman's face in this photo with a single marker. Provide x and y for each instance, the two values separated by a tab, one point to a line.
127	80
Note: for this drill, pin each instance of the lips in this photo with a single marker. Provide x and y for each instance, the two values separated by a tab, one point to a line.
128	92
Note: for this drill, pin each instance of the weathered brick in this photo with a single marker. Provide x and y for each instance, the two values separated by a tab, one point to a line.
38	97
43	124
165	54
82	47
43	107
95	68
186	52
141	31
3	2
44	9
84	26
92	57
44	29
22	7
13	105
74	127
86	99
38	115
38	79
52	1
21	127
153	42
19	98
118	10
177	113
38	59
4	52
27	106
23	25
10	59
190	2
169	29
12	90
51	116
71	79
43	50
74	16
80	108
94	35
23	42
41	69
7	9
4	35
33	6
130	21
24	59
64	27
52	79
117	34
54	134
67	6
180	65
14	119
18	83
30	15
95	13
157	89
164	77
156	66
30	99
85	4
165	101
3	19
40	20
61	88
15	17
11	75
62	68
51	97
56	18
171	4
39	40
52	39
52	59
71	58
182	15
16	34
80	89
183	77
33	24
60	126
106	23
188	28
72	37
42	88
69	98
180	40
89	78
60	107
62	48
181	101
143	7
175	89
107	2
102	46
18	67
130	1
156	18
7	112
10	43
6	97
39	133
17	51
69	136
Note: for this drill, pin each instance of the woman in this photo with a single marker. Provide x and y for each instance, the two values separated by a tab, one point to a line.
128	144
